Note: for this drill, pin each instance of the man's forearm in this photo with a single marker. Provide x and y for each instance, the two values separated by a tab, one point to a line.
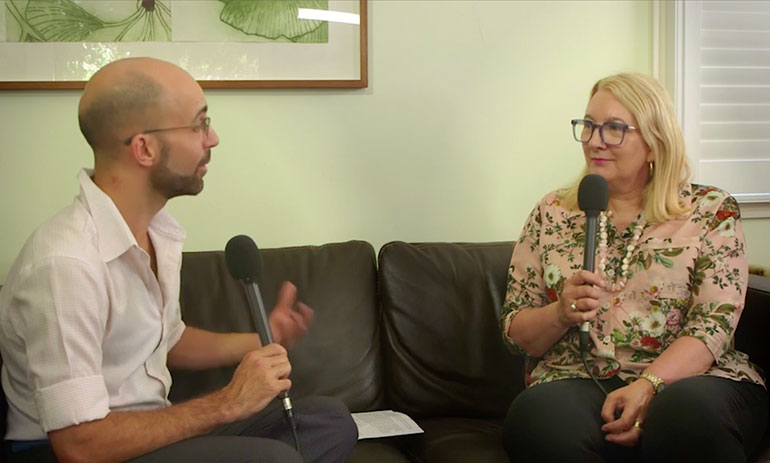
124	435
198	349
258	379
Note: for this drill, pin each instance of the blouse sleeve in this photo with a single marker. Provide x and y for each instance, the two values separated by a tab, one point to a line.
525	287
718	279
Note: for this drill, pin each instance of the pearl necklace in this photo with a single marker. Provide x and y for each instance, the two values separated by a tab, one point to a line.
620	282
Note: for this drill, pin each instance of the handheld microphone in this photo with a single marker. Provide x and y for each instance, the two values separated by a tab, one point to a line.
244	262
593	197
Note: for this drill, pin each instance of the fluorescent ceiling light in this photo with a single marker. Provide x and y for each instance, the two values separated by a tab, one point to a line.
331	16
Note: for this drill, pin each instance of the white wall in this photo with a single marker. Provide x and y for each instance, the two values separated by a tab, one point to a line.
464	125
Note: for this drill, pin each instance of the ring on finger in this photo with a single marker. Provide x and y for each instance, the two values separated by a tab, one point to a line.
573	306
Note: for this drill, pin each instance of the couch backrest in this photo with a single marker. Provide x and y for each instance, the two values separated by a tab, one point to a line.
340	356
752	335
444	353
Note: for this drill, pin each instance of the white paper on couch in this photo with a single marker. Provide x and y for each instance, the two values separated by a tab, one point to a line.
384	423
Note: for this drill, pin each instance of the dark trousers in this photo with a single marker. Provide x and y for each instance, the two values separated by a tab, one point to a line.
703	419
325	428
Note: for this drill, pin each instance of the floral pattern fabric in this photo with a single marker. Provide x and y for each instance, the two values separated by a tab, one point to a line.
687	277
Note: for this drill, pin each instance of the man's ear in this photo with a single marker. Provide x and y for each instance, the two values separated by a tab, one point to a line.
145	150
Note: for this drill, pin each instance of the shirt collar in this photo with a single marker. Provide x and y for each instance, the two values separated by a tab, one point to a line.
114	237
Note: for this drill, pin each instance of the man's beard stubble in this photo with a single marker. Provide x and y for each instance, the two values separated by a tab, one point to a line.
170	184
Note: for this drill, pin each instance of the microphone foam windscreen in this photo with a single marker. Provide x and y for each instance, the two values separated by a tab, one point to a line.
593	193
243	259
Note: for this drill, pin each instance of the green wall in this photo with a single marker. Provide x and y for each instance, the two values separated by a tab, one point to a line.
464	126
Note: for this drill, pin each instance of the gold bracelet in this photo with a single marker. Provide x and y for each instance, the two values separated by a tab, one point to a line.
657	383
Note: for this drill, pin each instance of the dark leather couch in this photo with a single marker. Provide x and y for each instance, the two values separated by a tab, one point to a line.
420	336
414	329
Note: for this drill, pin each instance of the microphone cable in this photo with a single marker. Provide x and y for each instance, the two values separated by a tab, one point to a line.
584	349
584	356
288	414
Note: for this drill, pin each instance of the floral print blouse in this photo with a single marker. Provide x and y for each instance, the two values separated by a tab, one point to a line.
687	277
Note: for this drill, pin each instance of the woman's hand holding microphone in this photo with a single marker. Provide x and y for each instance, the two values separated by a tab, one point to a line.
579	300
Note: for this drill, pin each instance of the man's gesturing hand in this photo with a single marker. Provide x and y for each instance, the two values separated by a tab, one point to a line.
287	323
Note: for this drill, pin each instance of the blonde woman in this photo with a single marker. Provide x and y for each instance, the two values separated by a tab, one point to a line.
663	304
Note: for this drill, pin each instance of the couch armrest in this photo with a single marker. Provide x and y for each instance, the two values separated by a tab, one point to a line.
751	336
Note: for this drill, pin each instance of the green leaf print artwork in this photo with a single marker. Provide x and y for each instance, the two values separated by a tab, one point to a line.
150	20
276	20
68	21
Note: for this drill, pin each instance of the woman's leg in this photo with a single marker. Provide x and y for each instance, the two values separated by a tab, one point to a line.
560	421
705	419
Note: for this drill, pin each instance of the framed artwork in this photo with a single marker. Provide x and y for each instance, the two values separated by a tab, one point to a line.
54	44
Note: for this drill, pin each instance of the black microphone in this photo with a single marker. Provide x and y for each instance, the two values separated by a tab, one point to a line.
244	262
593	197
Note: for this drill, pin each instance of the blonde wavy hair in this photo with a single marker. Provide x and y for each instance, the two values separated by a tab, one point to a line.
648	101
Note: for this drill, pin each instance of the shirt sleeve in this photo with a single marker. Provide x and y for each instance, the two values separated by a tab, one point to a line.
718	279
525	287
176	327
58	313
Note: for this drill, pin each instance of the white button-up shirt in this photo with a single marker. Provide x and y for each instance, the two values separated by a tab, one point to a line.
85	326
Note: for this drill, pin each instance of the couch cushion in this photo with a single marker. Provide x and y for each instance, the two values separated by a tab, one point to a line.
382	450
339	356
445	356
461	440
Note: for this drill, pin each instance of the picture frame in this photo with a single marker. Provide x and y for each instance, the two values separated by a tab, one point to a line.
337	60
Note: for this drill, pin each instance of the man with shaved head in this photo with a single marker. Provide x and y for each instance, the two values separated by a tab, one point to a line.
90	318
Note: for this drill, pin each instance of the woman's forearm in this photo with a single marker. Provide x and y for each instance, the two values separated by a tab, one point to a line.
537	330
685	357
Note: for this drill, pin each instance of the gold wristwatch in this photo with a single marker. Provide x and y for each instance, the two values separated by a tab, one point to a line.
657	383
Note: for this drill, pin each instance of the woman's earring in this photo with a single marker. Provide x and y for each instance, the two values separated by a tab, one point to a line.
652	168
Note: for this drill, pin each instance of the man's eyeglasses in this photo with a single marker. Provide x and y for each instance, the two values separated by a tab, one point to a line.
612	133
203	126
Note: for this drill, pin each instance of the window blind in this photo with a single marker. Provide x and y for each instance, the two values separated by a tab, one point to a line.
727	95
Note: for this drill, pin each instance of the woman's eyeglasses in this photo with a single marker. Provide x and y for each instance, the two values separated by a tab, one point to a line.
611	133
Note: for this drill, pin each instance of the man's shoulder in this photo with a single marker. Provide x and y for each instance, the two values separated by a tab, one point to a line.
64	240
69	234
